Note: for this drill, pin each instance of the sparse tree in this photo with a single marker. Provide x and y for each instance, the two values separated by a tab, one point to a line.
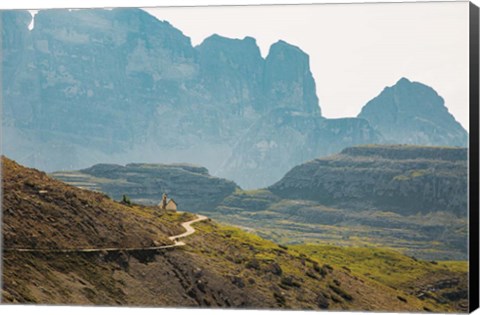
126	200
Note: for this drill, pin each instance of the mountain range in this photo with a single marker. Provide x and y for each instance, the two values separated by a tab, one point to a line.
120	86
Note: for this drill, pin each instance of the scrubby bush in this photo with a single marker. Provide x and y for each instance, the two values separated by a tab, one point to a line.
126	200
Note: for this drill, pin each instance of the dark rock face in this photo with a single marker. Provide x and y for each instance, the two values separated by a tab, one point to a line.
413	113
115	86
401	179
190	186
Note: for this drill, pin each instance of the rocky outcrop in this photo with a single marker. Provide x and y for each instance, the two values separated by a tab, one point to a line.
232	73
401	179
288	80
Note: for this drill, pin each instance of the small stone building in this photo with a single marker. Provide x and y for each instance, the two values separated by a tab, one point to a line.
167	204
171	205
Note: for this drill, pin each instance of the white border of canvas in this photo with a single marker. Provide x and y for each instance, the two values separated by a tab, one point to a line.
76	310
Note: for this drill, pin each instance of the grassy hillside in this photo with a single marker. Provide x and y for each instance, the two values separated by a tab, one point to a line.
302	279
220	266
443	282
412	198
40	212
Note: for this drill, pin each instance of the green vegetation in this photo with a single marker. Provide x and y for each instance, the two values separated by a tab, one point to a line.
297	222
436	280
407	279
372	195
219	266
126	200
384	265
411	175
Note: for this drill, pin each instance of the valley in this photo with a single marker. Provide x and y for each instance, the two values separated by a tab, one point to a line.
410	198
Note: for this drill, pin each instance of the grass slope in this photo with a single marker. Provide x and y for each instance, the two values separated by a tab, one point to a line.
221	266
433	236
442	282
40	212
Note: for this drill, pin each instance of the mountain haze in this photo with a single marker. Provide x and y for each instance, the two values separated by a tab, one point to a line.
119	86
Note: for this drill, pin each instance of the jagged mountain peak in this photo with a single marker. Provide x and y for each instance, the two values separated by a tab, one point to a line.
282	46
285	53
289	80
417	95
239	49
403	80
411	112
111	85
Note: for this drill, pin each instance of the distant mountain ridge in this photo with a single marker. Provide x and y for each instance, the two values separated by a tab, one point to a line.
401	179
119	86
396	114
409	197
192	187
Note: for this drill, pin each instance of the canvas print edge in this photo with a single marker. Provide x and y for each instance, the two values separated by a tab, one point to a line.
471	160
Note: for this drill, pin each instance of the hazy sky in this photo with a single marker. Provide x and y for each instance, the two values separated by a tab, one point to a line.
355	50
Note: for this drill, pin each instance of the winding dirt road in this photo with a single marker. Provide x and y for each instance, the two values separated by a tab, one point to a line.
175	238
189	230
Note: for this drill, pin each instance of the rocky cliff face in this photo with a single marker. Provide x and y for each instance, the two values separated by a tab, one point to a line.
288	80
93	83
115	86
413	113
232	72
88	86
401	179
